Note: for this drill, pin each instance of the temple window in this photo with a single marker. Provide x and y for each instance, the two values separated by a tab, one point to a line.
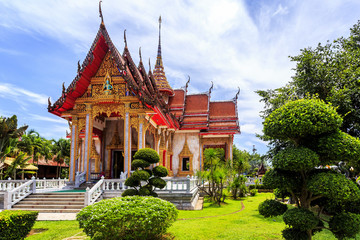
185	161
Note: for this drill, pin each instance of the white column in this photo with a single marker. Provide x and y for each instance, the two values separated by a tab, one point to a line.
72	153
87	147
126	141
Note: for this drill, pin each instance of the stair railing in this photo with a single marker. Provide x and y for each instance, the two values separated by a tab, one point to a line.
80	178
50	184
17	194
94	193
8	185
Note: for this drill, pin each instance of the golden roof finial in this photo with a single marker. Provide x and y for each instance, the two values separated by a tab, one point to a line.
140	54
237	94
212	86
100	13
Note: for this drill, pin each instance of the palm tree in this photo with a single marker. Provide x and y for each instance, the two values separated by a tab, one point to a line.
20	161
61	150
36	146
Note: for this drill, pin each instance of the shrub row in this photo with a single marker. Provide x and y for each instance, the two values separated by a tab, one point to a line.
16	224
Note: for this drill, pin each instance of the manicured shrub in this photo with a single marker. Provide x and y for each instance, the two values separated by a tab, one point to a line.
130	192
160	171
16	224
147	154
292	234
345	225
132	217
272	208
253	192
143	180
299	218
138	163
295	159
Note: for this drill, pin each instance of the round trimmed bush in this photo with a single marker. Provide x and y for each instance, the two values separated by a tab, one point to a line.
16	224
132	217
141	175
139	163
160	171
147	154
272	208
345	225
132	182
302	118
292	234
299	218
296	159
130	192
157	182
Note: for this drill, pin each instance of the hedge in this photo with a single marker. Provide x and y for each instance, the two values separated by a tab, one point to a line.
16	224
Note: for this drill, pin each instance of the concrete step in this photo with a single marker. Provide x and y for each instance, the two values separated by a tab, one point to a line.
22	206
30	202
51	210
53	199
57	196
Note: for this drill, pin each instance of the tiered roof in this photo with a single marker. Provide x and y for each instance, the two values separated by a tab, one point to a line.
183	111
198	112
140	84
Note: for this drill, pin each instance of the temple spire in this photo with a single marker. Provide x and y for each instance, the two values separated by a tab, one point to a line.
159	73
159	58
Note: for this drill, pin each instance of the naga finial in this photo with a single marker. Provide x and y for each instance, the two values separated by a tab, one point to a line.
237	94
187	83
125	38
79	67
212	86
149	65
100	13
49	103
63	87
140	54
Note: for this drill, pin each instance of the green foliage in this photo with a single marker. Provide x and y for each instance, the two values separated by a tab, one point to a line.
339	146
144	158
139	163
334	186
292	234
345	225
253	192
157	182
141	175
302	118
272	208
160	171
16	224
276	178
296	159
300	218
130	192
132	217
281	193
147	154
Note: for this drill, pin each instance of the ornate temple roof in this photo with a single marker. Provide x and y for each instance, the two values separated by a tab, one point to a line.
159	74
182	112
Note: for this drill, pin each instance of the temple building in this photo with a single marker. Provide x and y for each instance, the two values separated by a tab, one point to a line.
115	107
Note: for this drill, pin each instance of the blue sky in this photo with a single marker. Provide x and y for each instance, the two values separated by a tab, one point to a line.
242	44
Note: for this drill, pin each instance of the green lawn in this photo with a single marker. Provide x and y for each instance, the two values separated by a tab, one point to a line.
246	224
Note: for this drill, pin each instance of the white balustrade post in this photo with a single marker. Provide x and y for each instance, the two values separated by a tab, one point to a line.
7	200
188	183
33	179
87	197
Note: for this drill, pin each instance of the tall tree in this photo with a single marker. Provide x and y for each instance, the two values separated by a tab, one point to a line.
61	150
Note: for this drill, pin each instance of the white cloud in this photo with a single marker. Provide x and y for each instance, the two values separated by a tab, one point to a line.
48	119
20	95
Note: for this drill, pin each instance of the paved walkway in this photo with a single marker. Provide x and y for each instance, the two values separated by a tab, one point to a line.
56	216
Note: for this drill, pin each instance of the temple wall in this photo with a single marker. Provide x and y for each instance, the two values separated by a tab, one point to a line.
194	147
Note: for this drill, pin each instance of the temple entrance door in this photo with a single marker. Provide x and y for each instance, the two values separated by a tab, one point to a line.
117	164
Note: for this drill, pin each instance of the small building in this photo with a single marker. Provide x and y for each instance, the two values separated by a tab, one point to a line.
48	168
115	107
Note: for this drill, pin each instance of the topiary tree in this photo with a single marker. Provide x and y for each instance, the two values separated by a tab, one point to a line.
143	180
310	129
272	208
